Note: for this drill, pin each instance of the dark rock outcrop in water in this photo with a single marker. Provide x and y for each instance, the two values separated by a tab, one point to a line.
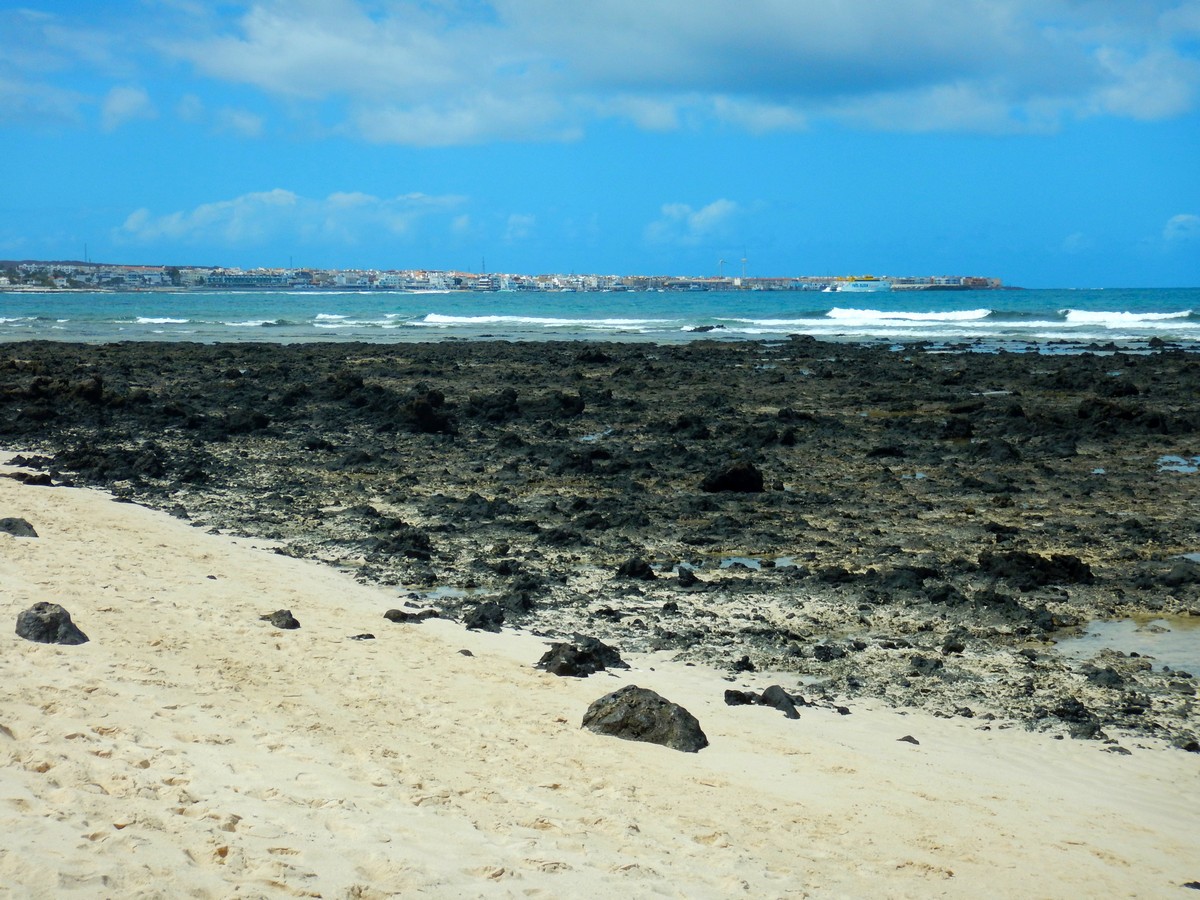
49	623
915	526
639	714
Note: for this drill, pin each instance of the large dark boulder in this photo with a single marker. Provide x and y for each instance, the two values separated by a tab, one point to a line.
741	477
638	714
17	528
49	623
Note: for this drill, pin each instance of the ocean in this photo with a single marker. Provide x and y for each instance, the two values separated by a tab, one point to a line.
1036	320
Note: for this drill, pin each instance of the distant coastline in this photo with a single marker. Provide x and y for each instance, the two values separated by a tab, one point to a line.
72	275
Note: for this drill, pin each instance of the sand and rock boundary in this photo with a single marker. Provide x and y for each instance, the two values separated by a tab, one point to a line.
912	526
191	748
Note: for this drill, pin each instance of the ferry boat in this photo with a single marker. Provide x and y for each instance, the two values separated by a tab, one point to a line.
860	285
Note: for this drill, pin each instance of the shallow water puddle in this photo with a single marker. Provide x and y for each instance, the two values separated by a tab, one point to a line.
751	562
441	593
595	436
1173	642
1185	465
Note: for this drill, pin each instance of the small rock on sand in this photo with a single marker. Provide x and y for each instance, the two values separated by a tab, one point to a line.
49	623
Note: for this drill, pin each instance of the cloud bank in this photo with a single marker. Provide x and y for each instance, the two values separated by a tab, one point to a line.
684	226
421	72
257	218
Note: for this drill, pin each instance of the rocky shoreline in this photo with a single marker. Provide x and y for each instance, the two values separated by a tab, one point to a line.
911	525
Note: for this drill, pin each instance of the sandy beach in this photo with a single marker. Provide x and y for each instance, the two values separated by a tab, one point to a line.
191	749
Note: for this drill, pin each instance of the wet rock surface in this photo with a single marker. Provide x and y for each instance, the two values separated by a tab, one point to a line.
894	523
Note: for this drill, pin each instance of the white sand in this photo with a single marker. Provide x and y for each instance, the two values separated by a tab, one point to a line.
191	750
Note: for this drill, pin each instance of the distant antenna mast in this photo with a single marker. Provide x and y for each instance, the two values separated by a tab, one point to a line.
743	262
720	268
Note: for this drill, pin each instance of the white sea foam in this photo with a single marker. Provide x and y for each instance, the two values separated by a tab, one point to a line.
1125	319
778	323
437	319
158	320
868	316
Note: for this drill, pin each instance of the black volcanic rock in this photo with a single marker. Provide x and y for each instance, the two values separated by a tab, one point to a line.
1032	570
399	615
17	527
637	569
777	698
585	657
638	714
282	618
49	623
484	460
741	477
487	616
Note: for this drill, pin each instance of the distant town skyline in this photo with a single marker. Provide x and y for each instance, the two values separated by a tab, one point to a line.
82	274
1053	144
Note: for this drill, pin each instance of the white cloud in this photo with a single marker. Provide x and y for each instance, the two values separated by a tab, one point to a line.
1184	227
227	120
22	103
1157	85
124	104
519	227
250	218
440	72
963	106
256	218
756	117
483	117
315	50
647	113
240	122
686	226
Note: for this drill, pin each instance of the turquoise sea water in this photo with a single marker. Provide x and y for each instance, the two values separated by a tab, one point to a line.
1022	319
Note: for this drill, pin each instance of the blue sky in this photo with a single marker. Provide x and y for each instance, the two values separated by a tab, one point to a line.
1051	143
